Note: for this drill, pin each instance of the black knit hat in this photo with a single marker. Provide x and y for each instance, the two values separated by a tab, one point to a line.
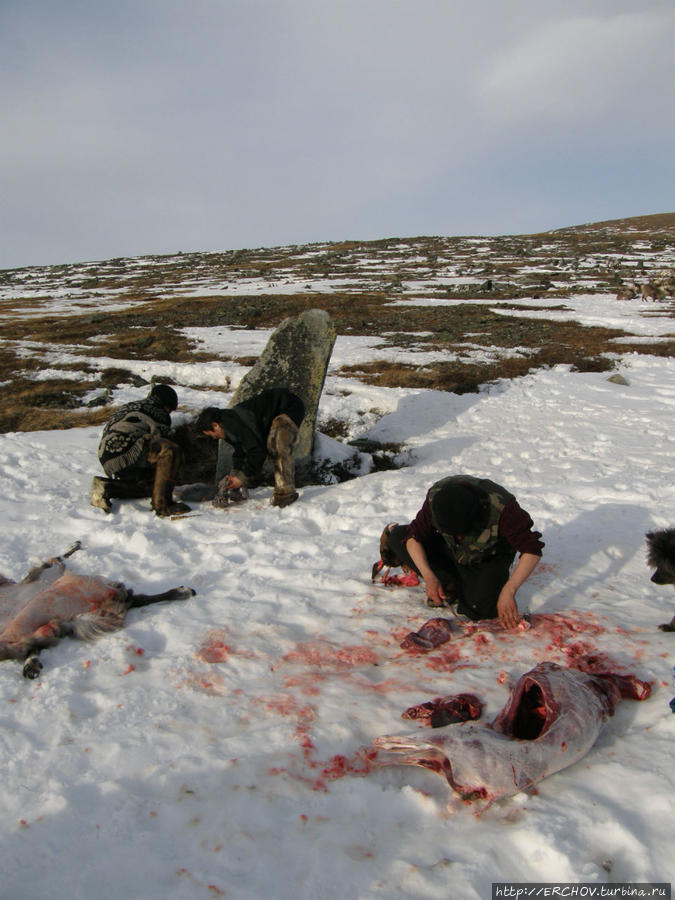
165	396
458	509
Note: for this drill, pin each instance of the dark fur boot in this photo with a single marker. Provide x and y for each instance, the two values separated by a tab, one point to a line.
166	457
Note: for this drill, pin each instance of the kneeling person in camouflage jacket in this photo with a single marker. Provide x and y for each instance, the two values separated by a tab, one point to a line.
462	543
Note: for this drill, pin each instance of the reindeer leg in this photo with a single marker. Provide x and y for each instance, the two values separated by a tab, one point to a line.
77	545
36	571
32	666
29	648
46	636
177	593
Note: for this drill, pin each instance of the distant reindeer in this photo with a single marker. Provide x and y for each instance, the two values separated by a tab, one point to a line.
667	283
651	291
48	605
628	292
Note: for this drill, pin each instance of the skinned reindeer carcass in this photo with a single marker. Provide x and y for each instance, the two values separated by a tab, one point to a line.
550	721
51	603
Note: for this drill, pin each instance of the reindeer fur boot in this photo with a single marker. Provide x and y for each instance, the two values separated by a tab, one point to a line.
99	496
166	457
282	438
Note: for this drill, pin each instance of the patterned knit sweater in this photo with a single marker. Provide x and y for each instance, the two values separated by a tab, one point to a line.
123	439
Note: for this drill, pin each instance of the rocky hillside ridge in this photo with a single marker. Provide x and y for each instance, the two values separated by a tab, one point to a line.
448	294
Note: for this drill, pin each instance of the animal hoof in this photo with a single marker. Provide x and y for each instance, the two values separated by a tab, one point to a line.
32	668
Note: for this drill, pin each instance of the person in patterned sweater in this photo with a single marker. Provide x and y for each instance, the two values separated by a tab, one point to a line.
137	456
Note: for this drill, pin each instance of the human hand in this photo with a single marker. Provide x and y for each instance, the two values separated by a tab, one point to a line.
507	608
435	594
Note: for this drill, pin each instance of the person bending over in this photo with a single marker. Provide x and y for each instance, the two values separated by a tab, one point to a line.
462	543
266	425
138	457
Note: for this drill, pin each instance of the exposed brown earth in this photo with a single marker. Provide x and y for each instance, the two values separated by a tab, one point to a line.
134	309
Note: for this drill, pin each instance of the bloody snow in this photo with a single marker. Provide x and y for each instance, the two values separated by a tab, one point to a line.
235	756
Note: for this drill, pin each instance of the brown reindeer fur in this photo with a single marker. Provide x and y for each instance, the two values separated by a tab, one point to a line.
51	603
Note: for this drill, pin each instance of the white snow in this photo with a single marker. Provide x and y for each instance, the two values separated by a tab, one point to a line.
195	752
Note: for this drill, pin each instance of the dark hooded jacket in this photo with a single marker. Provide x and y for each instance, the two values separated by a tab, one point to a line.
247	425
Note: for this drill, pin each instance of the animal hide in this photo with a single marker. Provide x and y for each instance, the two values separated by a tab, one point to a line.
550	721
51	603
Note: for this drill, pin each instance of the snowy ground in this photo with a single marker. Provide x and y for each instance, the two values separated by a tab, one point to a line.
213	747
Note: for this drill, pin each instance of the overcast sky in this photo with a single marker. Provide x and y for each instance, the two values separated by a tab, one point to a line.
151	126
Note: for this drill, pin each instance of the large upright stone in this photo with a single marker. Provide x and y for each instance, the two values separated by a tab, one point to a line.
295	357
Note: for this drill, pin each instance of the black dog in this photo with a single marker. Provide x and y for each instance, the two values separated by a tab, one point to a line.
661	556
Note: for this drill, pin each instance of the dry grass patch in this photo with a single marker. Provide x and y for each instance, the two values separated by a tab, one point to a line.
31	419
461	377
589	259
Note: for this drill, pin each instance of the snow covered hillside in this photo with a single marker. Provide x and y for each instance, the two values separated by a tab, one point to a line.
220	746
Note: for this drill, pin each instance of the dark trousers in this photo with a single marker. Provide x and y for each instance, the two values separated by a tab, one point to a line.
476	588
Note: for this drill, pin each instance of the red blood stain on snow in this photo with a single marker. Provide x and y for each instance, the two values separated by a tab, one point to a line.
577	649
130	668
382	640
139	651
559	628
362	762
306	682
327	655
321	772
494	626
286	705
378	687
569	634
214	685
399	634
481	639
213	648
447	661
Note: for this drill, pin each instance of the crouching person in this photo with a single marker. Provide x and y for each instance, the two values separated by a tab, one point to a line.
138	457
264	426
462	544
